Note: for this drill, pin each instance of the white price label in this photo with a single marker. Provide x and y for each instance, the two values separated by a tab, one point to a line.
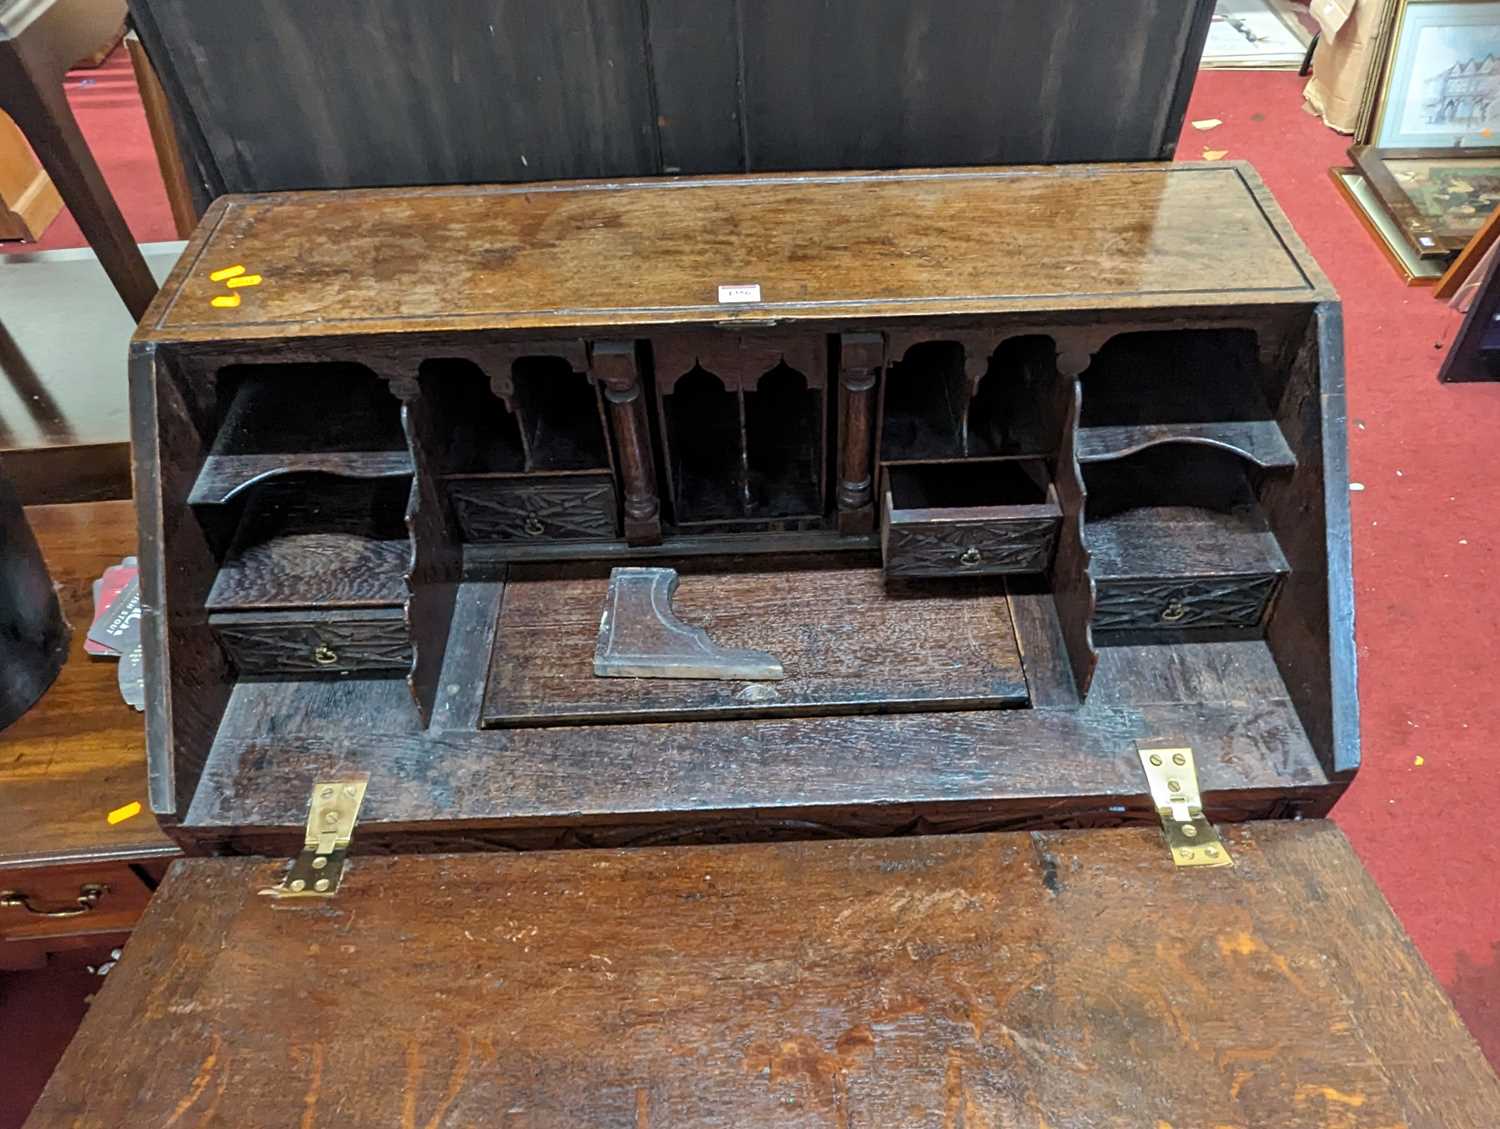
739	292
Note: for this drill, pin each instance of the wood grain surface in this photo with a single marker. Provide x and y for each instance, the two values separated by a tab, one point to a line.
820	246
845	644
697	781
1177	541
80	752
342	544
1047	979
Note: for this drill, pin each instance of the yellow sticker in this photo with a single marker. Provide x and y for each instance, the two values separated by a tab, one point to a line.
244	280
226	301
121	814
227	272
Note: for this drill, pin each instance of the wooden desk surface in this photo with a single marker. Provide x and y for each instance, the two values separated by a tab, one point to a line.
848	247
80	752
1068	979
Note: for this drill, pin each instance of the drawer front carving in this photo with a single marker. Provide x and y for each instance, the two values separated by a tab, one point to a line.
342	646
1210	601
970	548
544	509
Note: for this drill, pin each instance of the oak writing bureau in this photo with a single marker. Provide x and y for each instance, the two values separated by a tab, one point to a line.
1009	469
997	501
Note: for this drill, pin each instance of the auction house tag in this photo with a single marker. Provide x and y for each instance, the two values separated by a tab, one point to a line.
119	629
739	292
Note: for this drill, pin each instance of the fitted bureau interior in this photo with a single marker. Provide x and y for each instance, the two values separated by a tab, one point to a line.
1038	553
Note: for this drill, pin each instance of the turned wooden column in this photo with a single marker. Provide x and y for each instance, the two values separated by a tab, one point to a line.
861	357
614	365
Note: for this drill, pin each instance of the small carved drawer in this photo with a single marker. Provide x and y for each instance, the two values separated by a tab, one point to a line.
267	644
970	518
562	507
1183	603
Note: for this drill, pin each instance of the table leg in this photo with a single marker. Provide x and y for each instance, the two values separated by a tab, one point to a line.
41	109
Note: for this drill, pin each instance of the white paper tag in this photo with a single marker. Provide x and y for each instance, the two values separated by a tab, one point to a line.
739	292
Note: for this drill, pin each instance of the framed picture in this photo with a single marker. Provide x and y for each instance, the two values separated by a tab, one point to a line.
1438	200
1355	189
1470	260
1439	84
1375	72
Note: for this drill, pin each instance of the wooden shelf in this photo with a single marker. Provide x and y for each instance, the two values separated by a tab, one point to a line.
312	569
1166	542
1259	441
224	476
343	545
340	420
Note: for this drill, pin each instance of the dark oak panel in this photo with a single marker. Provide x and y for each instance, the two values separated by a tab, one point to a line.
845	644
1065	979
937	82
346	94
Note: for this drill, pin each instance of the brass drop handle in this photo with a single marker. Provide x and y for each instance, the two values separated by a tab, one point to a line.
533	526
1174	611
88	898
971	556
324	655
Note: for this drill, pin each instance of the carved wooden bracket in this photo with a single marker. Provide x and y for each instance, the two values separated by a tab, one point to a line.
640	636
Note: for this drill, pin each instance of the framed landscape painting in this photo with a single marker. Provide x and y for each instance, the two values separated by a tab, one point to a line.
1442	86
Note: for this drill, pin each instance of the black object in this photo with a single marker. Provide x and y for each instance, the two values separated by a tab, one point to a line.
348	93
33	633
1475	352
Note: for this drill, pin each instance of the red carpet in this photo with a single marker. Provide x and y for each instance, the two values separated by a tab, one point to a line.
1425	531
39	1011
108	109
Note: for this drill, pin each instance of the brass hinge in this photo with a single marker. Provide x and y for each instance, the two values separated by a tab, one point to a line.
1174	791
331	816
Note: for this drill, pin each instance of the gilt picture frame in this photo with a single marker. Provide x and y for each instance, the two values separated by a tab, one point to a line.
1439	79
1372	215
